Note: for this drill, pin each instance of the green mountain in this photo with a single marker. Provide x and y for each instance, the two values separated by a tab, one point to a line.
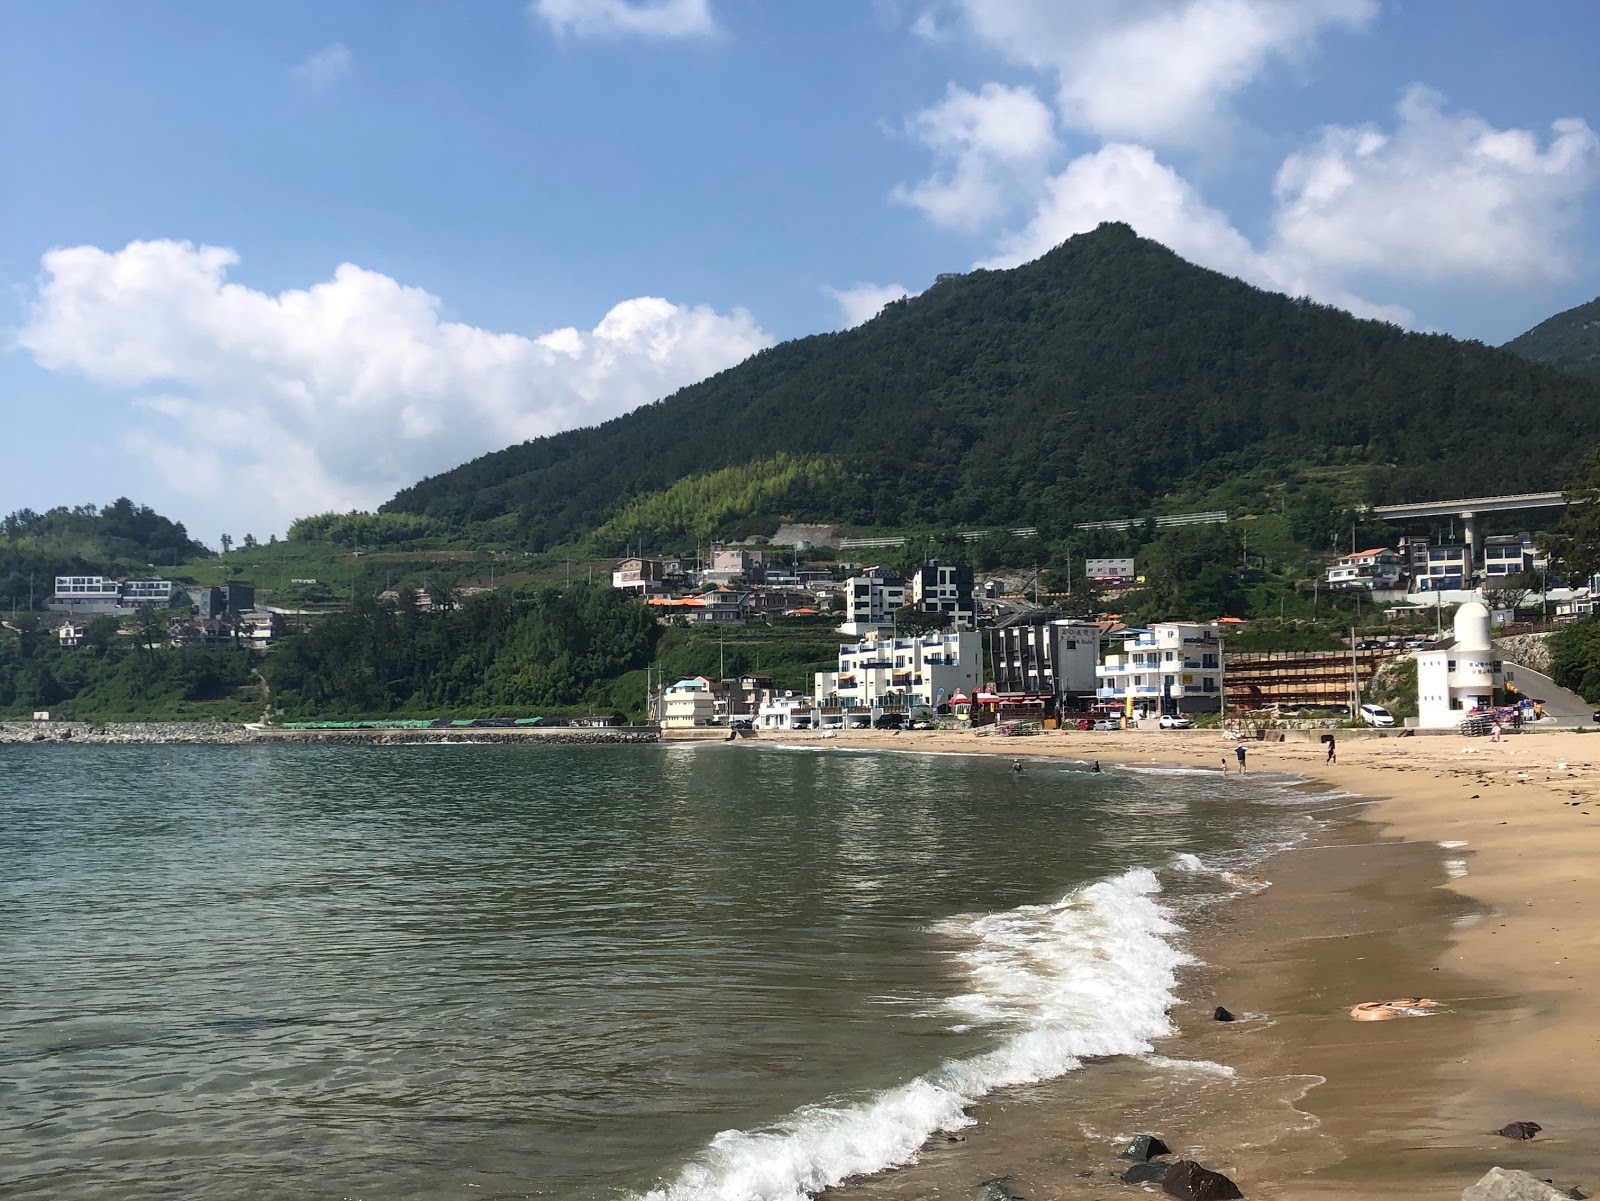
1569	340
1109	378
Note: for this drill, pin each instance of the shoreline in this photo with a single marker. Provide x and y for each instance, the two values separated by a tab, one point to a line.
1451	868
179	733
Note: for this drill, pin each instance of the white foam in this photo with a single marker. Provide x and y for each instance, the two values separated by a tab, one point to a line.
1453	844
1091	975
1204	1066
1183	861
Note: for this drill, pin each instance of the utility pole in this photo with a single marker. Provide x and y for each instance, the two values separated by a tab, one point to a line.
1355	677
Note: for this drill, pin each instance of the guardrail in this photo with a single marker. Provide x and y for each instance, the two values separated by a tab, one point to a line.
1165	521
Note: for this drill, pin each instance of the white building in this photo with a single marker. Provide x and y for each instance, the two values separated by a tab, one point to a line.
1452	681
1446	571
1109	571
786	712
1171	667
1377	568
687	704
70	633
643	576
903	672
870	603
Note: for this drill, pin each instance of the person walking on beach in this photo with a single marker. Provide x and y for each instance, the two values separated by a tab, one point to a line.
1332	757
1238	753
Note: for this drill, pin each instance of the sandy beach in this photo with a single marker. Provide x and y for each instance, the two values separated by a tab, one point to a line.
1461	872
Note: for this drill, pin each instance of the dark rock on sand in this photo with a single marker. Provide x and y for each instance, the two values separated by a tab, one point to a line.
1145	1148
1522	1131
1146	1173
1577	1194
1500	1184
1188	1181
1219	1014
998	1188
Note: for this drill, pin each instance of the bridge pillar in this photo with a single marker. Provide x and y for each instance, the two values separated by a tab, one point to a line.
1469	571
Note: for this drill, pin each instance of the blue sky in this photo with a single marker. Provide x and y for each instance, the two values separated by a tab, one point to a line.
267	260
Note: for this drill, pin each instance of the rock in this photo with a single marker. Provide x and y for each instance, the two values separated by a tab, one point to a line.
1145	1148
1577	1194
1499	1184
998	1188
1219	1014
1521	1131
1146	1173
1188	1181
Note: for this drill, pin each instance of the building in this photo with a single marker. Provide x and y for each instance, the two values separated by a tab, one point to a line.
786	712
813	577
101	594
137	594
732	564
945	588
641	576
1173	667
1260	680
687	704
745	696
1039	658
870	603
1465	675
1377	568
71	632
899	673
225	600
1109	571
1449	568
1507	554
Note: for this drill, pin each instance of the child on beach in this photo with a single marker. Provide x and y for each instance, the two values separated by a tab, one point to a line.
1331	757
1238	753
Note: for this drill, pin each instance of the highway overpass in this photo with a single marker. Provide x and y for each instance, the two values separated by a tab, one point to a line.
1471	506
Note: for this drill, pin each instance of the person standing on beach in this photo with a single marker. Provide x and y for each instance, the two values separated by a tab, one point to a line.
1238	753
1332	758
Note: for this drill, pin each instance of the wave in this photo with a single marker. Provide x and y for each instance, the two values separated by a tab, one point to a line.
1091	975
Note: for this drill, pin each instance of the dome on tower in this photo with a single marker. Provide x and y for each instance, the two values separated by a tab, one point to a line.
1472	626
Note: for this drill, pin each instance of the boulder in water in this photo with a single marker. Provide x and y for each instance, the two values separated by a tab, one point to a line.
1501	1184
1146	1173
1219	1014
1145	1148
1189	1181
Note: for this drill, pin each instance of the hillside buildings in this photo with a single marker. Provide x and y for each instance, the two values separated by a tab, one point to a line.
945	588
1041	659
94	594
870	602
1173	667
1378	568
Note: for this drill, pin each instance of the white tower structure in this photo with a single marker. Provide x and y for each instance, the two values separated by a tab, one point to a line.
1455	680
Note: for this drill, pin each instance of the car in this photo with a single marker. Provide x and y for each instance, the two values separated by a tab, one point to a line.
924	723
890	721
1597	714
1175	721
1106	723
1376	715
741	723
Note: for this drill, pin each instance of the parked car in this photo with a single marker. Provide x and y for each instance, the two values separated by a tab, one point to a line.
1376	715
924	723
742	723
1175	721
1106	723
890	721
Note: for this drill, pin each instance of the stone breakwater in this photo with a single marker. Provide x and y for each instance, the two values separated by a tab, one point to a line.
56	733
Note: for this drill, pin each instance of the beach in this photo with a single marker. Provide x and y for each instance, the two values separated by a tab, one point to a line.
1460	870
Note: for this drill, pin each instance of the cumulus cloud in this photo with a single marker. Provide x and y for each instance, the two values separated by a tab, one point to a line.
613	18
986	143
1440	195
325	67
863	302
1155	70
1128	183
336	395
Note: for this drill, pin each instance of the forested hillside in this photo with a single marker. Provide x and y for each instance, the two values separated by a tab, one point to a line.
120	538
1569	340
1106	379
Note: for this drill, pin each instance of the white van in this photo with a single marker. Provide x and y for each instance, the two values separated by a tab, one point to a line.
1376	715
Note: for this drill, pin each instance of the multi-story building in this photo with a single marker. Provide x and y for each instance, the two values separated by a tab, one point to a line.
1507	554
1109	571
730	564
231	598
870	603
1449	567
71	632
945	588
687	704
136	594
101	594
900	673
642	576
1041	658
786	712
1173	667
1466	675
1377	568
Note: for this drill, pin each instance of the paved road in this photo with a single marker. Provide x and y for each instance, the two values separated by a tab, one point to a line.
1568	708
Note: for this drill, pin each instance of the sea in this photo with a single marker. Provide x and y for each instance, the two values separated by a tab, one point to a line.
667	973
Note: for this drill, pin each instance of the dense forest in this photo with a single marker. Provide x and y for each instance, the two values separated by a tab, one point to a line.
1109	378
1569	340
121	538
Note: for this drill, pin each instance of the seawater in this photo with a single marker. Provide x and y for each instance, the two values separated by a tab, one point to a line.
677	973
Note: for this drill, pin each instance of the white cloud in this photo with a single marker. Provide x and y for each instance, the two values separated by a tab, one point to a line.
1441	195
336	395
325	67
612	18
1155	70
987	143
863	302
1127	183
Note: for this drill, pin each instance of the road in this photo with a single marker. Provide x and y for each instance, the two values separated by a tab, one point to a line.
1568	708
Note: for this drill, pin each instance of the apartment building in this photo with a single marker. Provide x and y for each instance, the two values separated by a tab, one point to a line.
926	670
1044	658
945	588
1376	568
1173	667
870	603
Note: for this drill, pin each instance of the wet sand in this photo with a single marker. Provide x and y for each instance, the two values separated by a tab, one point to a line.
1372	907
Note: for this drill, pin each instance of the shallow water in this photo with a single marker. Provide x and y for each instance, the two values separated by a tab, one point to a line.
498	971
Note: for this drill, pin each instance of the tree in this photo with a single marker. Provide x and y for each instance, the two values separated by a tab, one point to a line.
249	542
1574	547
150	628
227	543
1509	591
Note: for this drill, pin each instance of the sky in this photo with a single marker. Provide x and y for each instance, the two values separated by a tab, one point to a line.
271	260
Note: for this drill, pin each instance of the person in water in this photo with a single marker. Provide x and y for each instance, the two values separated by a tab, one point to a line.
1096	768
1016	766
